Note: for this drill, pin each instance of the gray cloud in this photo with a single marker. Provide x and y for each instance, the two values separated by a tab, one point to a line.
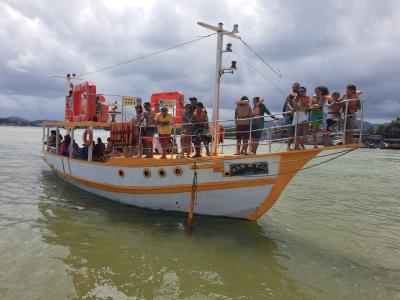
314	42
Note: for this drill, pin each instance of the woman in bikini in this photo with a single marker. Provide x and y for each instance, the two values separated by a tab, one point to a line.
319	106
300	118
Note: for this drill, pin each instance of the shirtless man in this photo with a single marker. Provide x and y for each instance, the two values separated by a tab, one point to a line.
353	104
149	116
288	110
334	108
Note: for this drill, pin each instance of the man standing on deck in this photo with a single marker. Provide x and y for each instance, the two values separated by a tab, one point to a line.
113	112
164	120
353	104
288	110
150	128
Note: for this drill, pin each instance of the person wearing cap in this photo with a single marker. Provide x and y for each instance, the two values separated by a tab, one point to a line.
257	124
200	130
301	116
242	120
164	122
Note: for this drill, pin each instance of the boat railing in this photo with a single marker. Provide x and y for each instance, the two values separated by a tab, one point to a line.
276	129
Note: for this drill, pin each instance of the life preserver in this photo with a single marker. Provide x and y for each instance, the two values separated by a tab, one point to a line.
85	136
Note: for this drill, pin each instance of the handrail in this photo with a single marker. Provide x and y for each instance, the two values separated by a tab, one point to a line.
109	124
265	139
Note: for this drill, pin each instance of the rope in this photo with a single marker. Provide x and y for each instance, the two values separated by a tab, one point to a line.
146	55
261	74
193	196
205	159
262	59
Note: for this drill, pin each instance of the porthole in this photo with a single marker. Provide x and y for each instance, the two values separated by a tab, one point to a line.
146	173
178	171
227	174
162	173
121	173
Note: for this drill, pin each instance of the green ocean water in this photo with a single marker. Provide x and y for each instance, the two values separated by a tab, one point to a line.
333	234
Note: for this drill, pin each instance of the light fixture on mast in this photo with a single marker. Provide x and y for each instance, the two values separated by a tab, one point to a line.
228	48
219	71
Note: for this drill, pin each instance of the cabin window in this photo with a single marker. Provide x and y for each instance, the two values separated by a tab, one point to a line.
162	173
121	173
178	171
146	173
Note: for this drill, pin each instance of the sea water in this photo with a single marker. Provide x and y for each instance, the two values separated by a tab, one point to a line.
333	234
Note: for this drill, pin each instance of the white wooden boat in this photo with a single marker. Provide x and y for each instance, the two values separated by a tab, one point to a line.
237	186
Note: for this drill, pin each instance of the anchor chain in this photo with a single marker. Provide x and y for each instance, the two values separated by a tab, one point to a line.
193	197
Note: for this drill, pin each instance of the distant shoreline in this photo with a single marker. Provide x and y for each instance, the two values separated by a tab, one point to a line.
20	122
16	125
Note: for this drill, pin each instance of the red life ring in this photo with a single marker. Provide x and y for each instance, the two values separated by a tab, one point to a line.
85	136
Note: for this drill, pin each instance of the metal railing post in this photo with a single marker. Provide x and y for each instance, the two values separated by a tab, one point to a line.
362	122
57	140
269	140
295	128
173	143
345	123
71	144
47	136
43	133
250	144
90	148
139	142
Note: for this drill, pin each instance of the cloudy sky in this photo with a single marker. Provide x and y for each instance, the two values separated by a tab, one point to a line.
314	42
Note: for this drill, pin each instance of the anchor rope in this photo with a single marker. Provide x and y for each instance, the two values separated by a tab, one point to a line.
193	196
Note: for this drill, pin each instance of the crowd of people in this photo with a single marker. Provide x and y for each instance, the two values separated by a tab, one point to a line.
249	124
194	130
303	116
321	114
99	149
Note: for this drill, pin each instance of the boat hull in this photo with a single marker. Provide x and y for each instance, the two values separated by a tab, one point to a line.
220	189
